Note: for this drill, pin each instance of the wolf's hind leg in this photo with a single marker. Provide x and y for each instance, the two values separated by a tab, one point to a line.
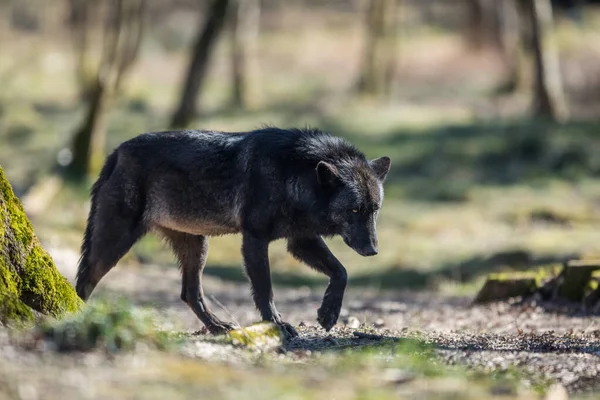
315	253
191	252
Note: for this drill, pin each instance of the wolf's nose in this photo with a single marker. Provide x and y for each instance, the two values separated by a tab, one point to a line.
371	251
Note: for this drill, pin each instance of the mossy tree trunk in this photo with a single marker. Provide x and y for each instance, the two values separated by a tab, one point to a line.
28	277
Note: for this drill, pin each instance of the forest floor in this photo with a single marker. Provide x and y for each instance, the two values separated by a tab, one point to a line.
452	349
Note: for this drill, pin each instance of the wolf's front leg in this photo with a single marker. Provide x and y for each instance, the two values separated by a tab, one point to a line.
255	250
315	253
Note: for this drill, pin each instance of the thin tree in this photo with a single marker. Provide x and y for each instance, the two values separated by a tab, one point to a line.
548	95
80	25
121	35
484	23
515	45
199	60
379	48
244	27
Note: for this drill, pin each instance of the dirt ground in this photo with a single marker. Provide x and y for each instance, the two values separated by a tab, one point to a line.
547	341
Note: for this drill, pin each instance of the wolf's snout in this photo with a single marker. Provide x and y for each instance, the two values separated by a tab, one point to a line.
366	250
370	251
366	247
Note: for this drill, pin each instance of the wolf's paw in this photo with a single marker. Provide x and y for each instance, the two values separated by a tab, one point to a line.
328	314
288	330
221	328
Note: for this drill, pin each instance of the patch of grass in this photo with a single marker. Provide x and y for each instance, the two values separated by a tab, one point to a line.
110	325
388	369
408	366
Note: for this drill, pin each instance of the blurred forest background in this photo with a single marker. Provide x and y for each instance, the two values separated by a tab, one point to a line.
488	109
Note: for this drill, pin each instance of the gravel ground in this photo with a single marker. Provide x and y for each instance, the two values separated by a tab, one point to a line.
555	342
549	341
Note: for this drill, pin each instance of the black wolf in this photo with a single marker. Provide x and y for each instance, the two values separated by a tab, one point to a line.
296	184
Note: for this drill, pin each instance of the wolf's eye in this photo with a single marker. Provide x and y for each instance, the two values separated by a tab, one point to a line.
355	210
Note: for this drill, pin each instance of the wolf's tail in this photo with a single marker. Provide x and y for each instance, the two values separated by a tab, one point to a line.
83	270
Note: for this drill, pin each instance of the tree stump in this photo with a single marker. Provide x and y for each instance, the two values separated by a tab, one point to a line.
576	281
505	286
575	278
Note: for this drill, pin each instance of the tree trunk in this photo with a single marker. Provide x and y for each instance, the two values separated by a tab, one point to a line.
28	277
199	62
516	45
88	143
484	23
245	16
379	50
475	23
548	99
79	21
121	38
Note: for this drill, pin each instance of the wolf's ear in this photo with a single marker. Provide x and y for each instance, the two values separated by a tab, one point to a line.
327	174
381	166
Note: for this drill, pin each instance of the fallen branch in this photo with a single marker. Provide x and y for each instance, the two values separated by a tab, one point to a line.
370	336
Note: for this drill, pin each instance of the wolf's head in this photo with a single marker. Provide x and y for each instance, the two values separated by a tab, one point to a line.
356	194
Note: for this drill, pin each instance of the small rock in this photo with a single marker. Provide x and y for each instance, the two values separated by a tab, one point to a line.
379	323
396	376
353	323
262	335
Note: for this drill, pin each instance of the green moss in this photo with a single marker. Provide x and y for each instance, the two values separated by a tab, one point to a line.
594	281
510	276
541	275
2	229
262	335
50	292
11	307
28	276
17	220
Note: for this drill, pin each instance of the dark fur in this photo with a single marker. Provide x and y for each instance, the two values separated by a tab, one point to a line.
266	184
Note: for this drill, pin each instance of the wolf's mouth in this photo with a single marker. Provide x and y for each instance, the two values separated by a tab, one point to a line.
360	251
